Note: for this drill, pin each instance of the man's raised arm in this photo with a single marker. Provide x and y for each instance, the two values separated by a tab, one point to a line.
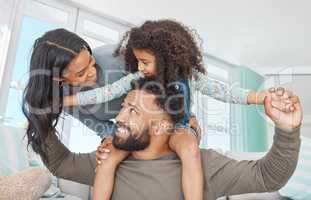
230	177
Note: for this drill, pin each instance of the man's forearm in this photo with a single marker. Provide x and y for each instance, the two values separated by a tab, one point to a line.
281	161
230	177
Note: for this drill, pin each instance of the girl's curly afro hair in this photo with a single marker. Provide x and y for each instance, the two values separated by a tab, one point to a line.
173	44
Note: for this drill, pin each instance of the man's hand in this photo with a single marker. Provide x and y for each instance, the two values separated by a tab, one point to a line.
281	99
283	119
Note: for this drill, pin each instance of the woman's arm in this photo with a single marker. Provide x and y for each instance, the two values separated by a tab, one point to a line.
103	94
62	163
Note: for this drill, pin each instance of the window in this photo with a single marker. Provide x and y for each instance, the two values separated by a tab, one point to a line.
97	31
32	28
3	43
36	19
214	115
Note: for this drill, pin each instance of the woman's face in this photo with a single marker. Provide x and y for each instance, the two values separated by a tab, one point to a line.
81	70
146	62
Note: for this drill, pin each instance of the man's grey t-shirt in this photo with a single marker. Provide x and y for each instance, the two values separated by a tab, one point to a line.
110	69
161	178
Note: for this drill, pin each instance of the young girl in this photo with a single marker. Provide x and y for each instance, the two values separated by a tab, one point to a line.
166	51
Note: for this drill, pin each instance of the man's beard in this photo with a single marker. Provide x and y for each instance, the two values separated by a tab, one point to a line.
131	143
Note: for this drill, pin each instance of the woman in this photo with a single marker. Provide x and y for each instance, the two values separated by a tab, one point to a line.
62	62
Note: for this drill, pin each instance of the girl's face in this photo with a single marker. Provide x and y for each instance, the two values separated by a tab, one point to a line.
81	70
146	62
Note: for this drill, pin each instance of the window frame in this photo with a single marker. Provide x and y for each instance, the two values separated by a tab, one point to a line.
228	67
112	24
33	8
24	9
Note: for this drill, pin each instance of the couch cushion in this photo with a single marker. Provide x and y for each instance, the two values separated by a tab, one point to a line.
13	155
256	196
26	185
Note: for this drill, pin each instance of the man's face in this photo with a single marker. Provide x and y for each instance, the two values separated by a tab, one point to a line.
136	120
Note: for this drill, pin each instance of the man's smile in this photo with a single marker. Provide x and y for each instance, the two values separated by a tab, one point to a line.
123	132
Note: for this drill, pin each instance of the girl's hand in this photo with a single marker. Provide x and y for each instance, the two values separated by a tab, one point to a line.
103	151
194	124
106	152
281	98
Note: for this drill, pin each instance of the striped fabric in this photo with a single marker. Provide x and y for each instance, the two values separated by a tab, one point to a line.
299	186
13	155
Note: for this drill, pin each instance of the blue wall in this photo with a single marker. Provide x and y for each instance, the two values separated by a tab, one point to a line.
249	120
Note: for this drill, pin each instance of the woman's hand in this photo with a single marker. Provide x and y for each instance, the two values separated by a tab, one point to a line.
106	152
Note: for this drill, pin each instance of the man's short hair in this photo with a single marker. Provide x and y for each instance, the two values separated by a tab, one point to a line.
168	98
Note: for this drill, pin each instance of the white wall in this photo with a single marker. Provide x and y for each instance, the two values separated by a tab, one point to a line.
264	35
260	33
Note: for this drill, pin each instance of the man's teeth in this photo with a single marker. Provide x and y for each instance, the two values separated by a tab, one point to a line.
122	130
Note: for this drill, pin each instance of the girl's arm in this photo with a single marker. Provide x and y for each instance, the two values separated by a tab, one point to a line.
103	94
224	93
186	146
108	159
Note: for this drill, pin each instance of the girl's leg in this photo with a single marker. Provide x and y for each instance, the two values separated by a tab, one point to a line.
104	180
186	146
108	159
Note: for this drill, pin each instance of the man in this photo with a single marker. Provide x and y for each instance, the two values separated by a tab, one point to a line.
153	171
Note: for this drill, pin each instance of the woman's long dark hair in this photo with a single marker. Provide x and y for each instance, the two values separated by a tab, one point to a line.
43	96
